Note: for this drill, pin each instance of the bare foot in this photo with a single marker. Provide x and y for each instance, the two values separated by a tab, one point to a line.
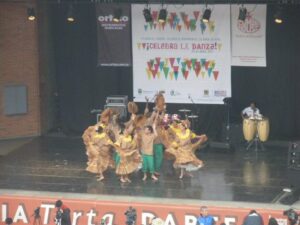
154	177
123	180
128	180
181	176
189	174
144	178
100	178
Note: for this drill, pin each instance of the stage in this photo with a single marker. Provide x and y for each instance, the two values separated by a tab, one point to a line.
58	164
232	182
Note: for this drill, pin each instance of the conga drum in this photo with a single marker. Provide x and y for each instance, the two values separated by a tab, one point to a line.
249	129
263	129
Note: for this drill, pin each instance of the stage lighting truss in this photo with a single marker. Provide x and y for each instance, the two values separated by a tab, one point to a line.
206	14
278	15
162	17
117	15
147	14
31	14
242	13
70	14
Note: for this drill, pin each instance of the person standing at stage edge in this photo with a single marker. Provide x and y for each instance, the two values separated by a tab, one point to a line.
62	214
205	218
253	218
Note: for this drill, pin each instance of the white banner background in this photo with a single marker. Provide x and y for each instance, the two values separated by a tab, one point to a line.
249	37
188	60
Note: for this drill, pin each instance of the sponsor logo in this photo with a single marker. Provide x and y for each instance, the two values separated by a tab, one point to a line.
206	93
174	93
109	18
220	93
107	23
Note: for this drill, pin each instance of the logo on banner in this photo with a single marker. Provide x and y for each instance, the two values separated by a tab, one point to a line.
106	21
174	93
251	25
206	93
181	21
174	68
220	93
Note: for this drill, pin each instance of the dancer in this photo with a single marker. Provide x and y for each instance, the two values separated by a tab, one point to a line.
129	157
147	138
103	144
92	150
87	140
158	146
90	132
182	149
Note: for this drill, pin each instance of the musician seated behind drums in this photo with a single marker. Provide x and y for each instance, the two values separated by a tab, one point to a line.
251	112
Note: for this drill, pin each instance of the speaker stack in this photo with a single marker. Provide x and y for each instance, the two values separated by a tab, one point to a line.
118	103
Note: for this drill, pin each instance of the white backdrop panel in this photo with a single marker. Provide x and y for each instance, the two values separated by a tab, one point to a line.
249	37
187	59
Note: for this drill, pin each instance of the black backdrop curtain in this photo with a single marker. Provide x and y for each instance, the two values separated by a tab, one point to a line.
82	86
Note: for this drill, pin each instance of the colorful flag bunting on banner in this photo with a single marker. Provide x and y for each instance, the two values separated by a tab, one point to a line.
183	67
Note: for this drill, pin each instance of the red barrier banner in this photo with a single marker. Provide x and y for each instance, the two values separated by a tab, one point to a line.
90	212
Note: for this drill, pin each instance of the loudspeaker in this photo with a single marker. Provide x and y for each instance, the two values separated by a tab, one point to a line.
120	108
294	155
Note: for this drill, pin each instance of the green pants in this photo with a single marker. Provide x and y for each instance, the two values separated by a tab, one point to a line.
148	164
116	158
158	156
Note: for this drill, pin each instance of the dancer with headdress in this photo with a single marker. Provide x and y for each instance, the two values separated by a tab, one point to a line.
103	144
182	149
92	148
91	152
128	157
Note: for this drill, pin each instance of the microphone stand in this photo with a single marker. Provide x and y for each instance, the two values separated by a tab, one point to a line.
227	102
228	123
196	109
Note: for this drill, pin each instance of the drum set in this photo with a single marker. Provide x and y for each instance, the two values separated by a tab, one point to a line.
183	113
256	131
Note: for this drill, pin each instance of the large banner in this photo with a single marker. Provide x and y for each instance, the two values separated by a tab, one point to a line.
113	37
249	36
187	59
91	212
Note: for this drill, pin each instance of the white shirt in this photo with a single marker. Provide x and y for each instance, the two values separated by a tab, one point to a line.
251	113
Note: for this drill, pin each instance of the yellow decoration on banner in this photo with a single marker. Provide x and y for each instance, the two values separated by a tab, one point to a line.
166	62
172	75
148	74
219	46
158	74
203	74
211	26
139	45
